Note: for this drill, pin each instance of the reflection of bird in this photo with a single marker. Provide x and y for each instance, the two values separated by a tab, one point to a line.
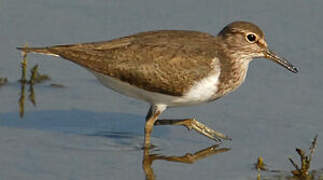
188	158
170	68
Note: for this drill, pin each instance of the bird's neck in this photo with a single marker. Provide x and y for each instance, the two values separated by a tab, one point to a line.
233	74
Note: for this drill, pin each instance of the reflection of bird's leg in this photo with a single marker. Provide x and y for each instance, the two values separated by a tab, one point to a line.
146	165
196	125
188	158
152	116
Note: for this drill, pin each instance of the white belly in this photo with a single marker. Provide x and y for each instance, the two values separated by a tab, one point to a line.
200	92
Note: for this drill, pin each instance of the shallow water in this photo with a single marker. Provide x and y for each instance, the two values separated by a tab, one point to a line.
84	131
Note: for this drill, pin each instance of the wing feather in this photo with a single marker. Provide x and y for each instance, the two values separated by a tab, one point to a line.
166	61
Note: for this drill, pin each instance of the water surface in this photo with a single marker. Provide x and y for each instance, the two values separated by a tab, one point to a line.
85	131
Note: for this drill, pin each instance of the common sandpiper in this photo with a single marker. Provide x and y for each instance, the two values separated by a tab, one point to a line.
171	68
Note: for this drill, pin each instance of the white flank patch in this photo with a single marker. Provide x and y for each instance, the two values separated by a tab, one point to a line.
203	90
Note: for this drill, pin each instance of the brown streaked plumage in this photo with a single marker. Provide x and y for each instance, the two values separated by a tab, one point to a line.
173	67
147	60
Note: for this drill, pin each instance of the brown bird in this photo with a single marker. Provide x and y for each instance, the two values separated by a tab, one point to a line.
170	68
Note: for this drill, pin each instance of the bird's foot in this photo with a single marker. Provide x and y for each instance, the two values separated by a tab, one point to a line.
197	126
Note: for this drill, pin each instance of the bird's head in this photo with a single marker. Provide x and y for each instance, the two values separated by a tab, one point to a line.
247	41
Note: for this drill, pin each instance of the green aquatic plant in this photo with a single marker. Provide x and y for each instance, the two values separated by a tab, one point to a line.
3	81
303	170
36	77
260	165
55	85
23	64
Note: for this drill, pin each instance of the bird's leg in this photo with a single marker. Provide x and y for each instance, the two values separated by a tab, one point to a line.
152	116
197	126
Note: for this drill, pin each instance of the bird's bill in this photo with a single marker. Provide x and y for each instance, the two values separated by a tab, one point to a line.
283	62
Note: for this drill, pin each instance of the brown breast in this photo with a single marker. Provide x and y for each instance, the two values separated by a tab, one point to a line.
233	74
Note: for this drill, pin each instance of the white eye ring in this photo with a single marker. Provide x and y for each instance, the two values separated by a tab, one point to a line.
251	37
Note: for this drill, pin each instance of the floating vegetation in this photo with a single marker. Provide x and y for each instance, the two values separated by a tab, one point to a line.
23	78
301	172
35	78
3	81
21	100
260	165
23	81
31	96
54	85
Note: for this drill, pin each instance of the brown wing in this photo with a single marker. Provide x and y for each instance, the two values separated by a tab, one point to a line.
160	61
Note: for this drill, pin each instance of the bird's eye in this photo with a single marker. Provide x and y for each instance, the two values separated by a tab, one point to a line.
251	37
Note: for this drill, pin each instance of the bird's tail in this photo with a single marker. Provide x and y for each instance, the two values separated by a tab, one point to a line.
40	50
